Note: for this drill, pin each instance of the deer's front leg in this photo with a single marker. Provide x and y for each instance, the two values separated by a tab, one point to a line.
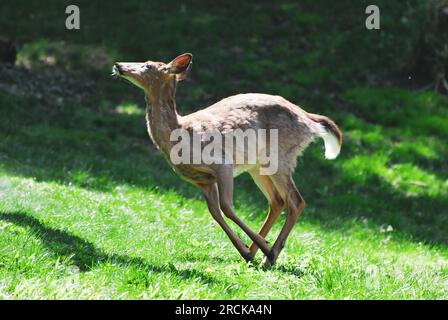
212	197
225	188
295	205
276	205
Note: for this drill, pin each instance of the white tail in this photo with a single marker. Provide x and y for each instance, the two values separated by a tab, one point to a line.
332	146
329	132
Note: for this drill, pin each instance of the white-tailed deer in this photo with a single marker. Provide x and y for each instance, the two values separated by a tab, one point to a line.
296	130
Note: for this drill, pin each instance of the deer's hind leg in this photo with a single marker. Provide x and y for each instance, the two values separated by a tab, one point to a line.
276	205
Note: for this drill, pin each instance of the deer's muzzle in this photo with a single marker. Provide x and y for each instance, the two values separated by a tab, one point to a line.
116	69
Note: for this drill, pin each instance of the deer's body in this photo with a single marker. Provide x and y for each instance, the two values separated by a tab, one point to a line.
296	130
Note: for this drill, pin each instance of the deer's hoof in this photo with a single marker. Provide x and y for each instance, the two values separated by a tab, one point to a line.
267	263
270	259
248	257
271	256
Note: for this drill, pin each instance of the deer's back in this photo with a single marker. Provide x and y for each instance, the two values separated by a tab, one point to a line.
251	110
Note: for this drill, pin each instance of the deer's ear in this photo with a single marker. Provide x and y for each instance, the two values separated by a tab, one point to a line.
184	74
180	64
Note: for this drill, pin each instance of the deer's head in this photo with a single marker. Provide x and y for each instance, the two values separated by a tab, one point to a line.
152	76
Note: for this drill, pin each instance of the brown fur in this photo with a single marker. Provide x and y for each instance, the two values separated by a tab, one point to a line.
296	130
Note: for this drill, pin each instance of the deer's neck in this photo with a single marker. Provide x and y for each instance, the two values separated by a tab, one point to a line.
161	115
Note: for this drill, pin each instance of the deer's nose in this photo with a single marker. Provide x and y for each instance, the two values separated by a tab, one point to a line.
117	66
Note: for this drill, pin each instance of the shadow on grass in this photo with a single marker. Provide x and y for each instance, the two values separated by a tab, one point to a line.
92	148
86	256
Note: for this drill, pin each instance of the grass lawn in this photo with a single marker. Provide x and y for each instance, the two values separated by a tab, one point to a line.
90	210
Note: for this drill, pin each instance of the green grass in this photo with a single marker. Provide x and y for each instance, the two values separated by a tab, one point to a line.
89	208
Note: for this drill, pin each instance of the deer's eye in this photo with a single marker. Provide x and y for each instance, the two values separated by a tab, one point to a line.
146	66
